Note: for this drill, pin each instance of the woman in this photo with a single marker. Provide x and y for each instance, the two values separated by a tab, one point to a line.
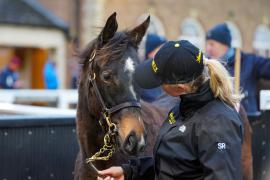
202	136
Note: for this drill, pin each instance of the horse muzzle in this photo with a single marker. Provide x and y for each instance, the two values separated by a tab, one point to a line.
134	144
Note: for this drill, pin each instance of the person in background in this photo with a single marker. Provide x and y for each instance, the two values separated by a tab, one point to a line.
152	45
9	76
75	69
253	67
50	76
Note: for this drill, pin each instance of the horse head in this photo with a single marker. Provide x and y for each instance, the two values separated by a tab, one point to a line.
108	65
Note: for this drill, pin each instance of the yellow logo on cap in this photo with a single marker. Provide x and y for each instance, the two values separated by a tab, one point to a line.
171	118
198	57
154	66
176	45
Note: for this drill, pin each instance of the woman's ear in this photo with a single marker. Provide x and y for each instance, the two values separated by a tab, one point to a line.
175	90
181	89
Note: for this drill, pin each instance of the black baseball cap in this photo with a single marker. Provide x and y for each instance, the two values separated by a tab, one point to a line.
177	62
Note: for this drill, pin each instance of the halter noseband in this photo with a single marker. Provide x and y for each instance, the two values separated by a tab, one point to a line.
110	136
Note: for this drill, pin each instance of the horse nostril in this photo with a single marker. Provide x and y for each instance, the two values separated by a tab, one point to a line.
130	143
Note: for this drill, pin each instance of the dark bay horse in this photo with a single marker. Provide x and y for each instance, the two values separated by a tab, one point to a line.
109	104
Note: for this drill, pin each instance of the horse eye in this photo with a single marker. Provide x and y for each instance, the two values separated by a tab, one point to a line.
106	76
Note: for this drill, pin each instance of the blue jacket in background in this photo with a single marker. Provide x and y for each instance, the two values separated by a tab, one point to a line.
253	68
150	95
8	78
50	76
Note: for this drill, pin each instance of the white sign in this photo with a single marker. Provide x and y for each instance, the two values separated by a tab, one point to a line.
265	100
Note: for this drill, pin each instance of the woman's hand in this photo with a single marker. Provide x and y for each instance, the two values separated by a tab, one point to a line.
113	173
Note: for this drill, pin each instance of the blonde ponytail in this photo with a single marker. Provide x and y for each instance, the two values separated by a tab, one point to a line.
221	82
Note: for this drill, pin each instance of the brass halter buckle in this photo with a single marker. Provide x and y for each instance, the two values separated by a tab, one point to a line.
93	77
93	55
111	125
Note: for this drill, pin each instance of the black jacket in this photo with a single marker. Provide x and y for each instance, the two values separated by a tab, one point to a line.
200	139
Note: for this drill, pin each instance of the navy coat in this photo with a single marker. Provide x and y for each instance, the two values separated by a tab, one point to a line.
253	68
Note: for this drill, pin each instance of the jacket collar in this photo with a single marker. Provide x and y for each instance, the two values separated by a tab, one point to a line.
190	103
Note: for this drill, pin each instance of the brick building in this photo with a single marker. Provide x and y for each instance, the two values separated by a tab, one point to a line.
248	19
32	33
175	19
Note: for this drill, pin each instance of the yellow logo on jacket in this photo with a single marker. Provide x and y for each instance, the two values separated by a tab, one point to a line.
154	66
198	57
171	118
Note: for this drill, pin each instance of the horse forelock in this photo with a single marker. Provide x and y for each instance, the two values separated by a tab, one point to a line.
112	50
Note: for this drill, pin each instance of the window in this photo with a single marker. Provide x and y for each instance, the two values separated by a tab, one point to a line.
261	42
155	27
192	31
235	33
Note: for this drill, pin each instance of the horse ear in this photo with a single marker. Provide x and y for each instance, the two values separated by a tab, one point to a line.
109	30
138	32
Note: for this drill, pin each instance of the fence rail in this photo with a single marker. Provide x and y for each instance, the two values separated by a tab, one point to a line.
61	97
17	109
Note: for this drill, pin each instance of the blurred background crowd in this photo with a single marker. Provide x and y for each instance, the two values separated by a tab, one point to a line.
38	37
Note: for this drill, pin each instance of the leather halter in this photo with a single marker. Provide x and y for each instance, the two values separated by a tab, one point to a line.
107	112
110	136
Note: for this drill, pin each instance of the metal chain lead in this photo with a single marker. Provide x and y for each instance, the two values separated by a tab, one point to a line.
107	147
